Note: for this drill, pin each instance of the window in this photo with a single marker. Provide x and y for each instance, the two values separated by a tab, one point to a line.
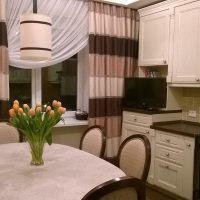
20	85
60	82
66	82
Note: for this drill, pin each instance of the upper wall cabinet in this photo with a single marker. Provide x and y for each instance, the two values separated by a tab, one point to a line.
186	56
170	36
154	38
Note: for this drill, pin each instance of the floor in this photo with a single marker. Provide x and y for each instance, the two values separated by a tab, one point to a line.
153	192
156	194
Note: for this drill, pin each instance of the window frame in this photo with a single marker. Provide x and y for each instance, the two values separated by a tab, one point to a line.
82	84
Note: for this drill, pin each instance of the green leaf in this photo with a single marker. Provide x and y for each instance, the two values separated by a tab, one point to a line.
49	138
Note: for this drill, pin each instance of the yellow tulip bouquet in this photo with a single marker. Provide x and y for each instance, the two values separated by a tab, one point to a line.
36	126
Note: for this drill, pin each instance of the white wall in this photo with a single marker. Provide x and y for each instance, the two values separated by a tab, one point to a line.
68	135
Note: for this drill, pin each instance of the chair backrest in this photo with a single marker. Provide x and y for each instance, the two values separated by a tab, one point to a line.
134	156
8	134
93	141
123	188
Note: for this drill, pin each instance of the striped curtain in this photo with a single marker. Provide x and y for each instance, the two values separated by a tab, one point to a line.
4	69
113	52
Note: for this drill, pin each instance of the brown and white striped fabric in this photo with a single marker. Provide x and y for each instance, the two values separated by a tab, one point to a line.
113	52
4	69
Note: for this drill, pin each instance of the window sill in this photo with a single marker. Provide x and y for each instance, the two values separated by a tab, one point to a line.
70	120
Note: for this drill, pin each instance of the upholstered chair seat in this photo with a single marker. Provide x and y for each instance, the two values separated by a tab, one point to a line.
134	156
93	141
8	134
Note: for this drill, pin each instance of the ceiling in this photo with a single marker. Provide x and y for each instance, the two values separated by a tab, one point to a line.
143	3
138	4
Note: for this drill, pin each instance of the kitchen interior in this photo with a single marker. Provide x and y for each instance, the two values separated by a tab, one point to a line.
168	48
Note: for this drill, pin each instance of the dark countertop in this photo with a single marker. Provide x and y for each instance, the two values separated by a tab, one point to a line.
191	129
150	111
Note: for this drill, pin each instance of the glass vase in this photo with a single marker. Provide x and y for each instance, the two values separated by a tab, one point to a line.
36	148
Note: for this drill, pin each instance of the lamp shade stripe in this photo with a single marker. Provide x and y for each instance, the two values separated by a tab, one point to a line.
35	48
35	22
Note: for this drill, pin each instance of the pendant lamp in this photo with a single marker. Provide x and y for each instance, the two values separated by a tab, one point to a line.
35	36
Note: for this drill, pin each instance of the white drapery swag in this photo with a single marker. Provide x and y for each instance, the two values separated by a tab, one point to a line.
69	29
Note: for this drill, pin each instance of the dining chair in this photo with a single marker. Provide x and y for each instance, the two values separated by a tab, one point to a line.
123	188
134	156
94	141
8	134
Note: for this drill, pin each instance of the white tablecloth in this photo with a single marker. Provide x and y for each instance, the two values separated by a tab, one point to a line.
67	173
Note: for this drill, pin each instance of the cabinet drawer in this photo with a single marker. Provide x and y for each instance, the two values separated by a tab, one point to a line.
171	140
171	155
137	118
129	129
168	176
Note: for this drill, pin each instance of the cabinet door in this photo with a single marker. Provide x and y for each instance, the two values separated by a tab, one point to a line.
129	129
186	59
154	39
168	176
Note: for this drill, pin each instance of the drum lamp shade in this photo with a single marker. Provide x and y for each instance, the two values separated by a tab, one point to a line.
35	37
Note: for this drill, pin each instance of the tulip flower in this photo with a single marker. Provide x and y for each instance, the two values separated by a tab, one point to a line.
31	112
16	107
12	113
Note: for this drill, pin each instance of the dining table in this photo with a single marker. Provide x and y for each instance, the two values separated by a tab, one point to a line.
67	173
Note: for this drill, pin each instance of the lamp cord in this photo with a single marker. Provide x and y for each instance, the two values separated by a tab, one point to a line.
34	6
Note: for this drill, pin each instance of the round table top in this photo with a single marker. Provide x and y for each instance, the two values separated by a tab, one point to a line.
67	174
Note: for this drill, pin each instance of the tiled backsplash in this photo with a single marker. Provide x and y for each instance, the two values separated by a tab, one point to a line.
191	102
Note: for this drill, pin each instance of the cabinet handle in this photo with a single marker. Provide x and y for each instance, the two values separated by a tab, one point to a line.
165	166
196	79
167	140
135	119
164	61
188	145
167	154
147	132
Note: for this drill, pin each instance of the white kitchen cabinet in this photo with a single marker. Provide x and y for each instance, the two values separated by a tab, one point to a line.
139	123
169	35
168	176
174	163
186	48
154	38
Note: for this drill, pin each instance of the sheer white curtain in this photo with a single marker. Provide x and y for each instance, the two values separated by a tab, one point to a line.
69	28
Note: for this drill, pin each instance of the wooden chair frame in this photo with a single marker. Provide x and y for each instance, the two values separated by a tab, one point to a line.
103	139
115	184
147	150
